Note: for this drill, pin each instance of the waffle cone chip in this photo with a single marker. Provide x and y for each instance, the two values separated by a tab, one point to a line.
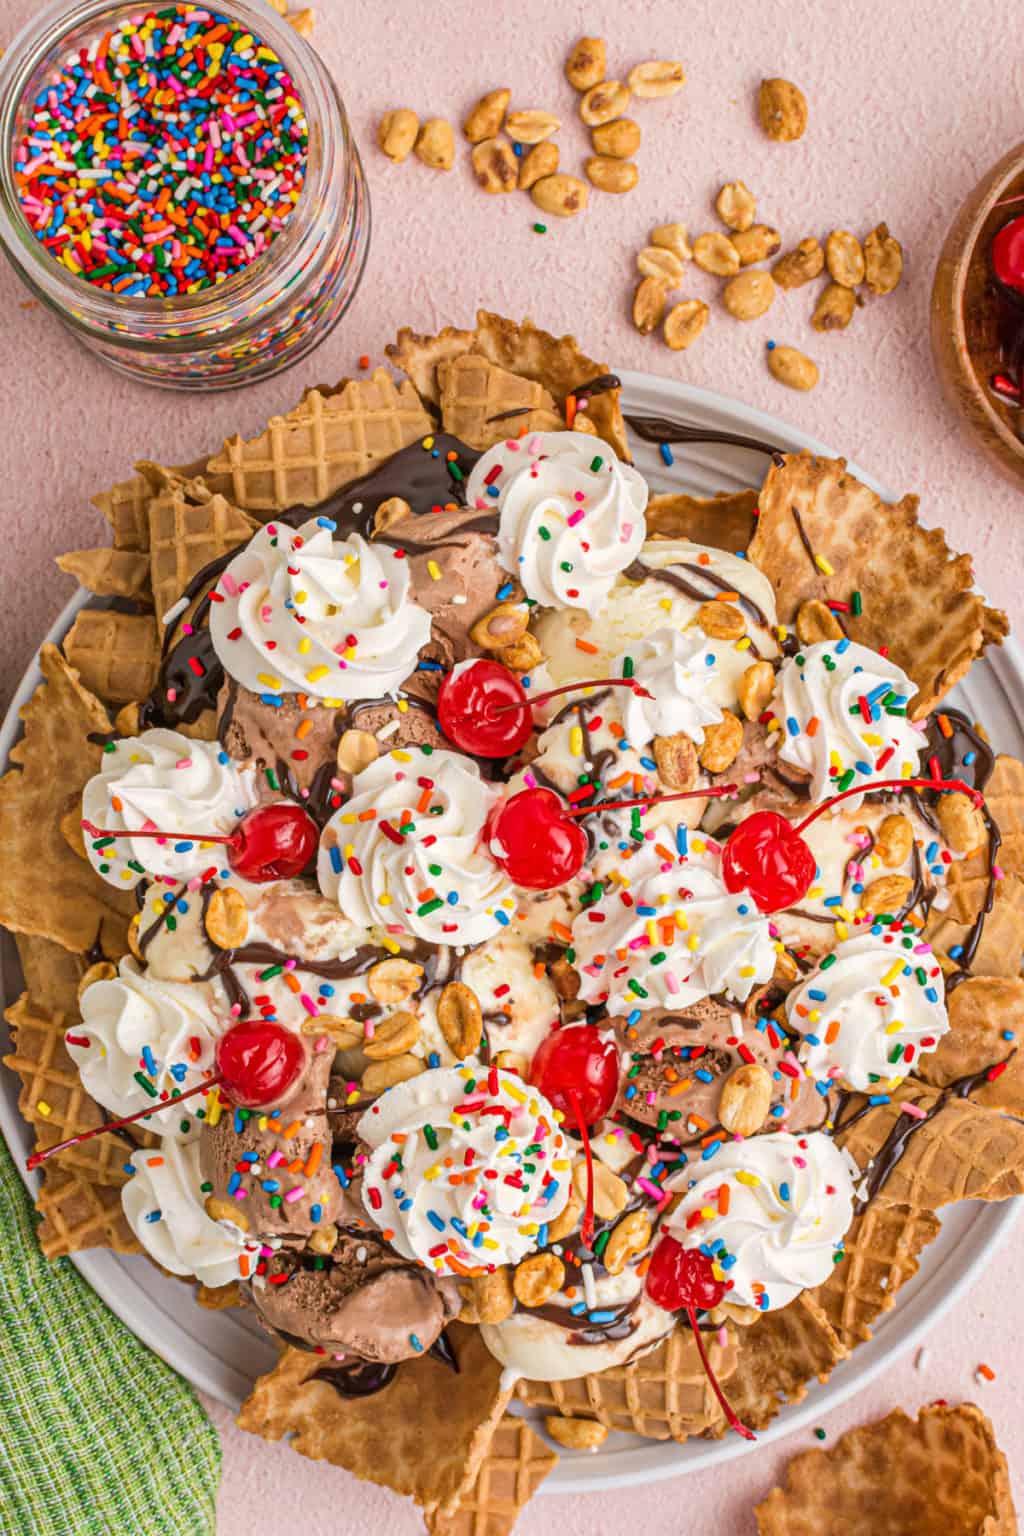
425	1434
117	655
185	535
665	1395
917	596
48	889
79	1214
51	973
942	1471
883	1247
1004	796
725	521
304	457
983	1010
109	572
125	507
477	395
419	357
1002	940
778	1356
516	1463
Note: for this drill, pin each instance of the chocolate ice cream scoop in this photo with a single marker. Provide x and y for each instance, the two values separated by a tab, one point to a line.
271	1172
361	1300
709	1069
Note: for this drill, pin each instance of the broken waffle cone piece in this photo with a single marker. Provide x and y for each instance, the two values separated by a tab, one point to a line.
78	1213
516	1463
778	1356
1002	939
47	889
219	1298
185	535
109	572
328	440
822	534
983	1011
882	1248
125	507
665	1395
419	357
725	521
51	974
483	404
413	1458
1004	798
117	655
942	1471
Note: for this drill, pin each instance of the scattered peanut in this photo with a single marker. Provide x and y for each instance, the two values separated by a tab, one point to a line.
585	67
887	894
392	1035
303	21
676	759
389	512
396	133
722	621
133	938
531	127
522	655
756	243
883	260
566	1220
756	687
962	822
560	195
541	161
801	265
382	1075
394	980
610	175
227	918
435	144
460	1019
619	139
749	295
486	118
746	1099
538	1278
324	1239
495	165
649	304
103	970
356	751
834	309
493	1296
782	108
672	237
736	205
722	742
629	1237
226	1210
792	368
844	258
502	626
604	102
715	252
657	77
815	621
576	1434
894	840
654	261
344	1034
512	1061
610	1193
684	323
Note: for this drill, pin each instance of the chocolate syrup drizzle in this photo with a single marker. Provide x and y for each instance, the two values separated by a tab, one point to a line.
658	429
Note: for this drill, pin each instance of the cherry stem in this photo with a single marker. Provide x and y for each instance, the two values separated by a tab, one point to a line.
114	1125
718	792
556	693
860	789
587	1230
733	1421
191	837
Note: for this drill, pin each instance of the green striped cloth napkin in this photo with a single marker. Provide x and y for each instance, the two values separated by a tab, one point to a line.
97	1436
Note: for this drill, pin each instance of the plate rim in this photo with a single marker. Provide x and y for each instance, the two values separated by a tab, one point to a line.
102	1268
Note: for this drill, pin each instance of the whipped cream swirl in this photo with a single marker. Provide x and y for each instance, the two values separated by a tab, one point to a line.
162	781
406	850
871	1013
789	1204
842	715
571	514
164	1205
304	612
672	935
678	669
465	1168
141	1030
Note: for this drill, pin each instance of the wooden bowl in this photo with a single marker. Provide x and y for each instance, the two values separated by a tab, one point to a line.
964	332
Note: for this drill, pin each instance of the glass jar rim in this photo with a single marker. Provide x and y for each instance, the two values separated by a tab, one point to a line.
261	285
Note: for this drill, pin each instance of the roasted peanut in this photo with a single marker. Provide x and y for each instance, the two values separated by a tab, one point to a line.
382	1075
782	108
629	1237
566	1220
522	655
585	67
756	243
502	626
844	258
530	127
486	118
356	751
493	1296
495	166
715	252
610	1193
103	970
460	1019
512	1061
962	822
302	22
887	894
657	77
392	1035
435	144
576	1434
894	840
834	309
756	687
649	304
343	1033
133	938
324	1239
619	139
676	759
801	265
736	205
396	133
722	742
560	195
538	1278
792	368
748	296
672	237
227	918
603	102
883	260
746	1099
226	1210
654	261
388	513
541	161
610	175
722	621
684	323
815	621
394	980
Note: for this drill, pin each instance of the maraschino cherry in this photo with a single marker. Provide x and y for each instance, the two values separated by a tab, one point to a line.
273	842
1008	254
767	855
485	710
578	1073
257	1062
683	1280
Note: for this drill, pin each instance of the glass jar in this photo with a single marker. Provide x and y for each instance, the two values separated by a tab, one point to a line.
257	322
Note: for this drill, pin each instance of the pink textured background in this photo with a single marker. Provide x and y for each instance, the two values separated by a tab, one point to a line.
908	106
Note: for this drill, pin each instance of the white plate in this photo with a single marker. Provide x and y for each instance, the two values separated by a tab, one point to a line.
223	1352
